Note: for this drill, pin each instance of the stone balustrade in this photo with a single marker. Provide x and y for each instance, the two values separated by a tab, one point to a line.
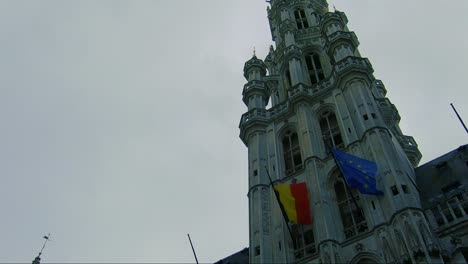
342	34
252	84
263	114
349	63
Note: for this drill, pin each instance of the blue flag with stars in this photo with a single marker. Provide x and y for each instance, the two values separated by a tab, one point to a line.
359	173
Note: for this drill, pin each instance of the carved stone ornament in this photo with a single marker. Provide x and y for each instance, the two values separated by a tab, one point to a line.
359	247
456	240
401	247
319	164
388	250
265	212
337	257
429	240
337	254
327	258
325	252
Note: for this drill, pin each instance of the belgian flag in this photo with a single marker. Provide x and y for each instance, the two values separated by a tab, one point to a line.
294	199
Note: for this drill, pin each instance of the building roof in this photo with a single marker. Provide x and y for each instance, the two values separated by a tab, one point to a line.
241	257
443	177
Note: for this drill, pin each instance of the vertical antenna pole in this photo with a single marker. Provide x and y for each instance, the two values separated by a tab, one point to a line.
459	118
195	255
37	260
45	242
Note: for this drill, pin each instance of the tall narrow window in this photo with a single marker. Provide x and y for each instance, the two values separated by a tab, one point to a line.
287	75
291	152
301	19
352	218
287	82
456	209
463	202
304	239
314	67
437	216
446	211
331	134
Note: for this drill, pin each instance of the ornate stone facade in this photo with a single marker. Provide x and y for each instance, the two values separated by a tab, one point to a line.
324	95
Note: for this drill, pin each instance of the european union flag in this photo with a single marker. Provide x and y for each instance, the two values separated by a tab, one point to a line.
359	173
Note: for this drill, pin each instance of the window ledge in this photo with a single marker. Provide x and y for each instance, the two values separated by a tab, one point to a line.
291	175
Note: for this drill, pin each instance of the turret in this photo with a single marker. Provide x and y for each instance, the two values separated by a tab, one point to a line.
255	94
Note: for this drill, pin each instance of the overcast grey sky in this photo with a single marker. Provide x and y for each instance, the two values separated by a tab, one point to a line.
120	119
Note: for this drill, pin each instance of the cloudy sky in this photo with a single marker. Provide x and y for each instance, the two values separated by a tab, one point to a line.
119	119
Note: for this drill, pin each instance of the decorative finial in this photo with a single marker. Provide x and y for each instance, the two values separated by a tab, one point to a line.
254	53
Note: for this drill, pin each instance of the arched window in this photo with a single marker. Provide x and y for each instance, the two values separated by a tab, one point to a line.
301	19
331	134
352	218
291	152
314	67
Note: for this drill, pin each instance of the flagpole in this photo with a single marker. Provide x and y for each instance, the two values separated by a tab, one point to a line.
459	118
285	217
346	184
195	255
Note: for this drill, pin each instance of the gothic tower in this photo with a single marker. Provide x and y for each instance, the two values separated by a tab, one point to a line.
324	95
